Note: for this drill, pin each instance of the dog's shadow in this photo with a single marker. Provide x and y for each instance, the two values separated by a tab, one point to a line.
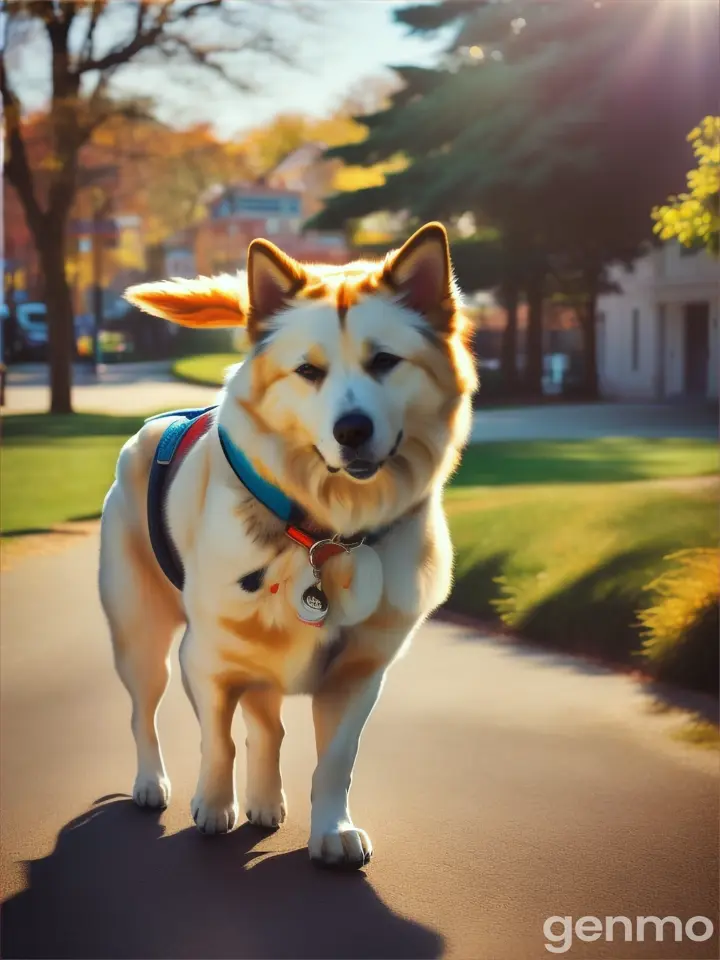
116	887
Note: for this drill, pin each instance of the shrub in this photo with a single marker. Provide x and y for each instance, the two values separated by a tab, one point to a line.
680	635
189	342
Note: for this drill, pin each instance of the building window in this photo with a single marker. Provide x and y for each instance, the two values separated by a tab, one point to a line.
688	251
635	341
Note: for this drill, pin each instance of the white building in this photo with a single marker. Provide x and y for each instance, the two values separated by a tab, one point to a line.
658	336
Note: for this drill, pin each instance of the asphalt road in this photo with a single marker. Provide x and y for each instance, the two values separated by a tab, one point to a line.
144	387
501	786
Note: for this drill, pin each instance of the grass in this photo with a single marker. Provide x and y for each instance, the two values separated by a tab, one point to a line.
567	565
609	459
57	468
207	370
559	539
700	733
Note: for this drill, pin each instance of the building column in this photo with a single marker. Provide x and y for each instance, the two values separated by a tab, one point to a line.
660	352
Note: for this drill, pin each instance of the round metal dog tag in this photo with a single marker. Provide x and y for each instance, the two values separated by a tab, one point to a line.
313	605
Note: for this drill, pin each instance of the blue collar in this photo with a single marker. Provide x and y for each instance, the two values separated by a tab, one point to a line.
184	429
277	502
285	509
264	492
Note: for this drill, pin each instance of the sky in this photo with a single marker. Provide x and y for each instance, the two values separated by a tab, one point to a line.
351	41
357	39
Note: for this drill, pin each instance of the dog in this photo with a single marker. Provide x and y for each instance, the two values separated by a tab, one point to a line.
304	521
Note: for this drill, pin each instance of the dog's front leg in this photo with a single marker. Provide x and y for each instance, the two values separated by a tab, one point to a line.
265	802
214	807
341	708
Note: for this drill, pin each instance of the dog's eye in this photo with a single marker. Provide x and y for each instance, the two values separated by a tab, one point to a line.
383	363
311	373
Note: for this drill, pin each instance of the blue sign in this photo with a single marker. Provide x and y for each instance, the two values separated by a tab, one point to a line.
258	206
104	227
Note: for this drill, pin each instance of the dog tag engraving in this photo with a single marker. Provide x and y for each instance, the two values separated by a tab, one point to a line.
315	600
313	605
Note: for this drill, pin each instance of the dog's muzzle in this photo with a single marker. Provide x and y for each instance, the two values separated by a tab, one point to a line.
361	467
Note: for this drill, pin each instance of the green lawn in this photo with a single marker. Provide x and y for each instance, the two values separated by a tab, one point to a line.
610	459
567	564
560	538
54	469
208	370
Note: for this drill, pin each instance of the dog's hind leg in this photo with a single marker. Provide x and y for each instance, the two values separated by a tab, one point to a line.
265	803
143	664
143	616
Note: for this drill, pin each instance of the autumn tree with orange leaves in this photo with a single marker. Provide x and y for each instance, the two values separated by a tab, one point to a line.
89	42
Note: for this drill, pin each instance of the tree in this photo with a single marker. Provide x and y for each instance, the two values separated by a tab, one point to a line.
164	175
694	217
550	120
89	42
264	147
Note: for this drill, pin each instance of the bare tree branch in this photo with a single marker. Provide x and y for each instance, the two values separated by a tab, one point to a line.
17	167
189	12
98	6
201	56
141	40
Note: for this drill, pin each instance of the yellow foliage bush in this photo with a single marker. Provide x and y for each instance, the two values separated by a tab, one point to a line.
680	629
694	217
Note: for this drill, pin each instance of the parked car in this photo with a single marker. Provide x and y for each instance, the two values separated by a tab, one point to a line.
135	334
25	332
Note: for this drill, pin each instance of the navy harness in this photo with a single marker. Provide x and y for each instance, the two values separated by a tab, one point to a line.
178	438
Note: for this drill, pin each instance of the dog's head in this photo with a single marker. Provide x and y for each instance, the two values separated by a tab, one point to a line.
360	372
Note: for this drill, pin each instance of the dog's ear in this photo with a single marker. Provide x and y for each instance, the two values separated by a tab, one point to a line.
421	272
274	279
203	302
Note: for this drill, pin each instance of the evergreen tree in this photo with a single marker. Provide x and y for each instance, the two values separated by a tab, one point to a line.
558	122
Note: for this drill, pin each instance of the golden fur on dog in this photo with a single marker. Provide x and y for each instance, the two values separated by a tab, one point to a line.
381	344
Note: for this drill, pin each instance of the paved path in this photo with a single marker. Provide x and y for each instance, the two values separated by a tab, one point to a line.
580	421
144	387
501	786
119	388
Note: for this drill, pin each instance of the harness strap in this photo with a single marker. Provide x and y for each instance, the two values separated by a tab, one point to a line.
175	443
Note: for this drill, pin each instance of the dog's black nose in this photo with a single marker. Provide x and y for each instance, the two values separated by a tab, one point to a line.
353	430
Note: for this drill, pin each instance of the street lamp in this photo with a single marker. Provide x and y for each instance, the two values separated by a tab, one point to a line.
102	204
99	182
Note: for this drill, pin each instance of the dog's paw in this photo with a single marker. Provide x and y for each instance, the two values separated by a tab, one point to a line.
151	791
346	847
212	818
266	812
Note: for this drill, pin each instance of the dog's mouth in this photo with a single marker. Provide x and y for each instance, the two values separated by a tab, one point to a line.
361	468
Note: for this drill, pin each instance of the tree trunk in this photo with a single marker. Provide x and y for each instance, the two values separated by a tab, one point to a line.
508	351
589	335
534	337
61	324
